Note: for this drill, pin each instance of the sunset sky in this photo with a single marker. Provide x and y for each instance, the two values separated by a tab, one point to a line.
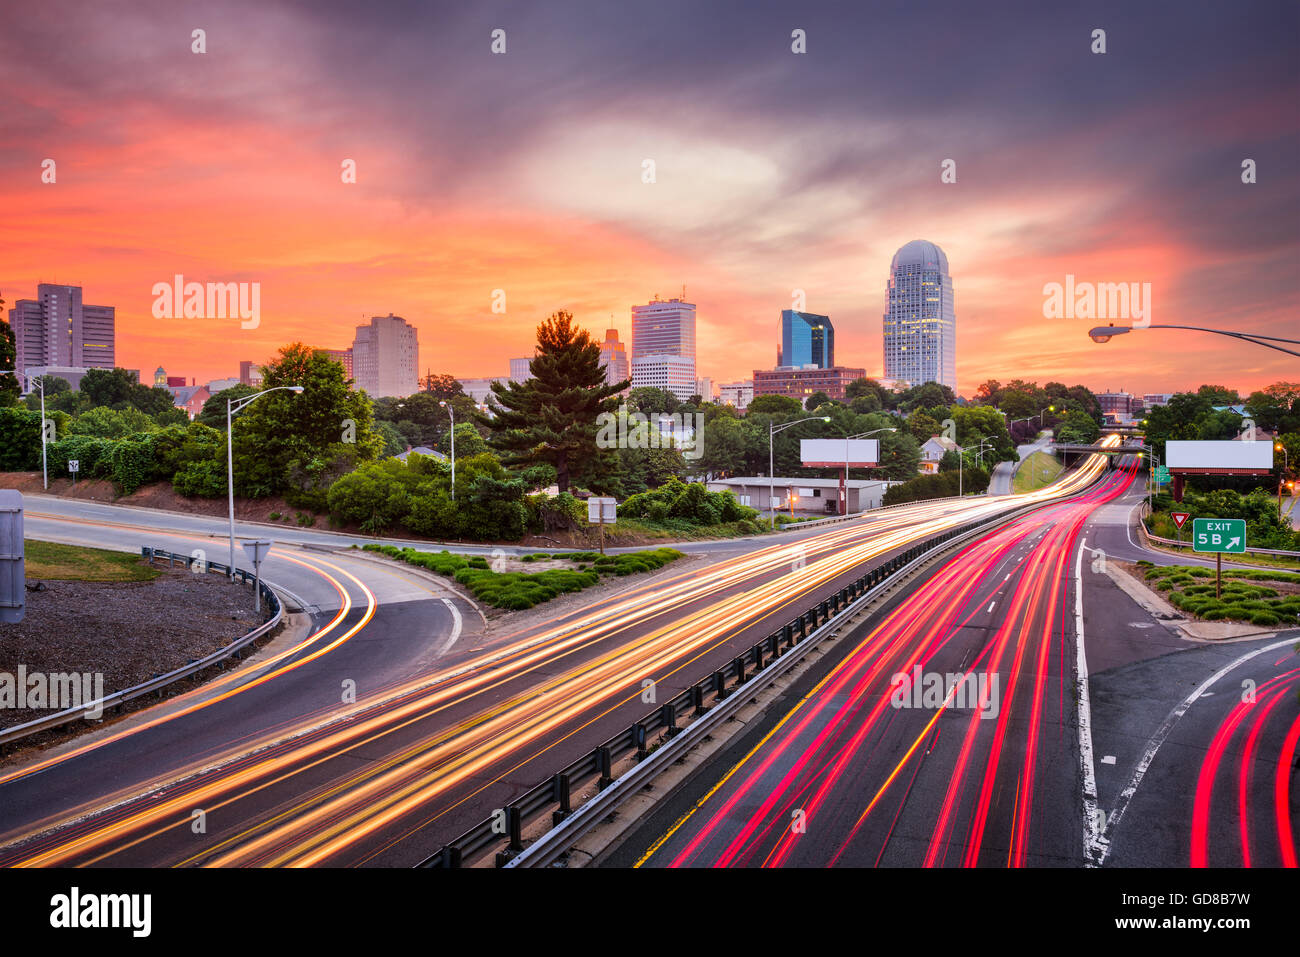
775	171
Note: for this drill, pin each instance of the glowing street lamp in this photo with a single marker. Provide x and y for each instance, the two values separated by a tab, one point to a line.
1106	333
234	405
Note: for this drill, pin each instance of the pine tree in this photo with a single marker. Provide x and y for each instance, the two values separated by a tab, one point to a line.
552	417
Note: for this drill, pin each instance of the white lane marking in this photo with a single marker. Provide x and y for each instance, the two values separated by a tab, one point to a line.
1008	576
1092	824
455	627
1162	732
991	604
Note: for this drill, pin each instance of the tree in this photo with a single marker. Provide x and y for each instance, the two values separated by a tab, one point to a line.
441	386
213	413
1078	429
298	444
816	401
927	395
552	417
9	386
108	423
650	400
776	405
1219	395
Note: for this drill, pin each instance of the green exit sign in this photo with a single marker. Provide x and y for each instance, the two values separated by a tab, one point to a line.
1162	475
1219	534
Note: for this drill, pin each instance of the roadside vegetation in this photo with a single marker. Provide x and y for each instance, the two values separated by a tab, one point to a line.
517	590
1039	469
54	562
1190	589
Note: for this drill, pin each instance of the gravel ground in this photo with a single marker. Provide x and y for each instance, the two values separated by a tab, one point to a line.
128	631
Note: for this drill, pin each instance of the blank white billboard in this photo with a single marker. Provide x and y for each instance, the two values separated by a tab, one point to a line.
1219	455
826	453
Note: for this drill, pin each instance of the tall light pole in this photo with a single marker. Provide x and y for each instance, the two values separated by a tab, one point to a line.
772	429
232	406
845	487
37	382
1286	467
452	412
1106	333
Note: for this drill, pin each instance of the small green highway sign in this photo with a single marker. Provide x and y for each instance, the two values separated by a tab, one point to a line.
1219	534
1162	475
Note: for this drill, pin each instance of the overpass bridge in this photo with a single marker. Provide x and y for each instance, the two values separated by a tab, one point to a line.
1124	448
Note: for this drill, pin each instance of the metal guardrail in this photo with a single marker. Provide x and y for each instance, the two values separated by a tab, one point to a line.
1249	551
158	682
762	663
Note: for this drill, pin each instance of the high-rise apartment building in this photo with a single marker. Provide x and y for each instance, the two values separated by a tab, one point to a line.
663	346
920	325
613	358
386	357
807	339
58	329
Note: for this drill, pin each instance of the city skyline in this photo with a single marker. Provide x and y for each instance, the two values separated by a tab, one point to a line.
207	165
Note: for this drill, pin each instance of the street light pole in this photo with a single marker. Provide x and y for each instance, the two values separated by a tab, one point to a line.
233	406
452	412
844	489
1106	333
772	429
1281	480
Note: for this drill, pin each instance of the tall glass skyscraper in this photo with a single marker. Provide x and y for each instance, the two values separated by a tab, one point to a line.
807	339
920	325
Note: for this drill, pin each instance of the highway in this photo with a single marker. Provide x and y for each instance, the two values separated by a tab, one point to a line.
971	726
446	727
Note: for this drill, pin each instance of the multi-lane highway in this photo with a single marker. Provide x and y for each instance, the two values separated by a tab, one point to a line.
445	727
1016	709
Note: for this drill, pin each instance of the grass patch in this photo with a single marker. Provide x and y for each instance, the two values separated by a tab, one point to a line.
1038	470
55	562
1189	592
515	590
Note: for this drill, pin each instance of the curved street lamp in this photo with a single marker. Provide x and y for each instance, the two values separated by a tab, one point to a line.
234	405
451	411
1106	333
772	429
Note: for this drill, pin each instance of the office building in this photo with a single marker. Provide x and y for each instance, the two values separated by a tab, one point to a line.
675	374
613	358
801	383
736	394
663	346
920	325
807	339
704	388
56	329
386	357
1118	407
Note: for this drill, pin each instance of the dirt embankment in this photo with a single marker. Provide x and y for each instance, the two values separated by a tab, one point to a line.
120	633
